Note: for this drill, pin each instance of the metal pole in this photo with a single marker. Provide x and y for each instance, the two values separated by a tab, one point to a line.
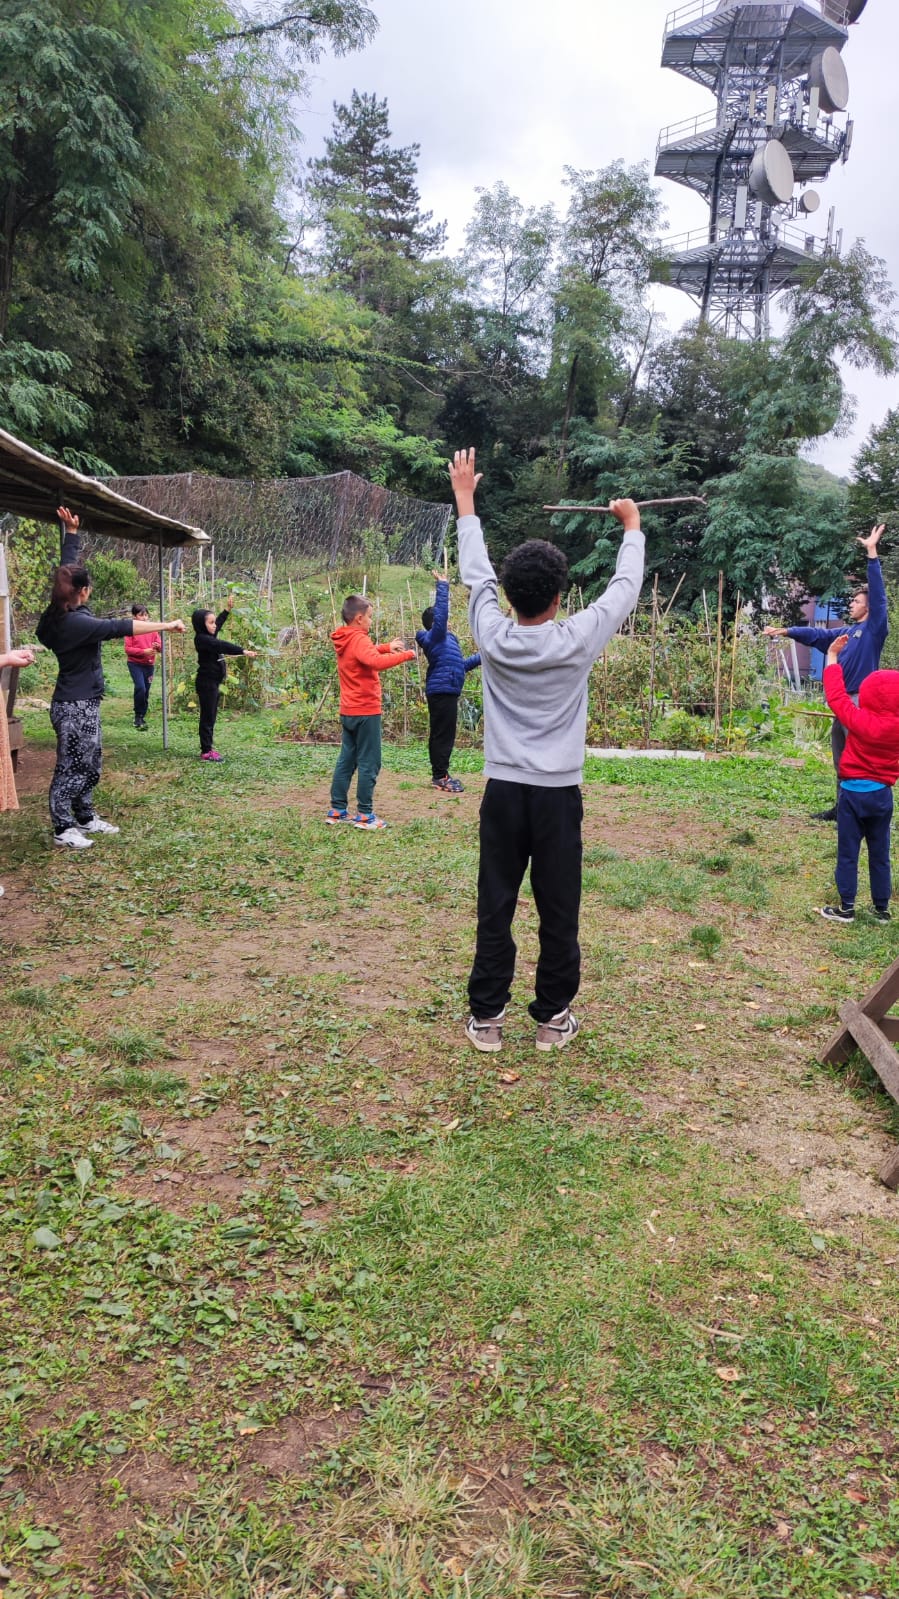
164	657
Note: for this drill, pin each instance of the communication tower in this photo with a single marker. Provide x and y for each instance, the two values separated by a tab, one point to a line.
776	70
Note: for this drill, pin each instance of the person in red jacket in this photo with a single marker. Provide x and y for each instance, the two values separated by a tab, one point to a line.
359	665
141	654
869	767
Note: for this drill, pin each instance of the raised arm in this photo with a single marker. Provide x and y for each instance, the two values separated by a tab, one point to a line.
878	621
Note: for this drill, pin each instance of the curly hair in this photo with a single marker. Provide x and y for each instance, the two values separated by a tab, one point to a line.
532	575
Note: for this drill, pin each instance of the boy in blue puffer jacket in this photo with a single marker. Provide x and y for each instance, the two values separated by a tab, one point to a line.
445	678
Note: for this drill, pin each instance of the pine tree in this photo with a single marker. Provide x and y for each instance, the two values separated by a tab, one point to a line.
367	198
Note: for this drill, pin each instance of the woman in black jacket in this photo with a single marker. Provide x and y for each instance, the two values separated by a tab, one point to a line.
211	651
69	628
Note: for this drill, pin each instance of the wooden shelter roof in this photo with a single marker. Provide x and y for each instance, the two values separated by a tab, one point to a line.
32	484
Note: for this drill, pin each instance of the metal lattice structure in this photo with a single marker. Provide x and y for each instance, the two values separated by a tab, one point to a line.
778	126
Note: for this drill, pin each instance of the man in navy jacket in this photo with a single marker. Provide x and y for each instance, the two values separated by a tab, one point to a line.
443	684
867	629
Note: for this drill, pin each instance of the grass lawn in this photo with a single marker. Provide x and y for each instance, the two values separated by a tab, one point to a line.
302	1297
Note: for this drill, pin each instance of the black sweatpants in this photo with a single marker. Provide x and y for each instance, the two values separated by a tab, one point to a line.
208	694
520	823
443	713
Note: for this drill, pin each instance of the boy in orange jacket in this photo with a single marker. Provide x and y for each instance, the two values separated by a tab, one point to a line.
869	767
359	663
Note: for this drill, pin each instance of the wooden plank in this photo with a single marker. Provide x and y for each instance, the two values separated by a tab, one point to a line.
878	1000
889	1026
872	1043
889	1171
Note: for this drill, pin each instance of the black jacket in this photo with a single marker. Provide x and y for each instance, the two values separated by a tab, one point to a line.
211	650
75	638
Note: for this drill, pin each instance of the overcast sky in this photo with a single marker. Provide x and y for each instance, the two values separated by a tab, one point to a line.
516	90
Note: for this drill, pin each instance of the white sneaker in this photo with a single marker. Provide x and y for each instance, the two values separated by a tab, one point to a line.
97	825
73	838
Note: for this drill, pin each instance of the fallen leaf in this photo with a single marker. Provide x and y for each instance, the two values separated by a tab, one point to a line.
699	1027
729	1373
450	1127
856	1497
510	1077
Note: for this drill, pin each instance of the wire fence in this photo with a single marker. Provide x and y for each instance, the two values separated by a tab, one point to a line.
301	525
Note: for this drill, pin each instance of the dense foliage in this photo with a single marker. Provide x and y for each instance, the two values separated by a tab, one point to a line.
173	296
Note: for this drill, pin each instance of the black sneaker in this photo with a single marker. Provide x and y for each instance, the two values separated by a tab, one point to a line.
825	816
836	913
881	915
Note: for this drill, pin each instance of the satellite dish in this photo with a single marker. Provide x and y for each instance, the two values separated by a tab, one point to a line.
828	75
771	174
838	10
809	201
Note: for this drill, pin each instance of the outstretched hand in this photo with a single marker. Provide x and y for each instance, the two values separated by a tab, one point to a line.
464	480
839	644
774	632
869	544
18	657
68	518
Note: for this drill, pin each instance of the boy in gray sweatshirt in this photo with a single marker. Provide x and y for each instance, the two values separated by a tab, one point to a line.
534	674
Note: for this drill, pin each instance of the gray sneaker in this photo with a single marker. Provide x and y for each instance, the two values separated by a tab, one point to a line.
557	1032
486	1032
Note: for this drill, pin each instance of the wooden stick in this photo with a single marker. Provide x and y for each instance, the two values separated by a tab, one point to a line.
333	606
679	499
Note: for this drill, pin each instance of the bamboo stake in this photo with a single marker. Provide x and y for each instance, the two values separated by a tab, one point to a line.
445	562
421	687
331	596
405	675
674	595
718	658
733	672
315	714
652	654
606	510
298	657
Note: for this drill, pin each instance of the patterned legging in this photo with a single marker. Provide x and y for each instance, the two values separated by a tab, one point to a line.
79	754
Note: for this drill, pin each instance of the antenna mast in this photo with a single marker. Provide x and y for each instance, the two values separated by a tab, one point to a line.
781	89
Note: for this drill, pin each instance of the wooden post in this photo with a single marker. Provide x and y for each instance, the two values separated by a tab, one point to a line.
163	657
718	658
733	671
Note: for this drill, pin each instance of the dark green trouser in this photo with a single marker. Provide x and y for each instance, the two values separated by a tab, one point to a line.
360	746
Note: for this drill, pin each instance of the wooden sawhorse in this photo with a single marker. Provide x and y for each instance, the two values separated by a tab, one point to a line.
866	1026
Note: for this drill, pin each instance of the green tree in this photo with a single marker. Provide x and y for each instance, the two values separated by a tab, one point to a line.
606	250
874	489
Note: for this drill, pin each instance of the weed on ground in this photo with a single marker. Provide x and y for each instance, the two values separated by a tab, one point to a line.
302	1297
